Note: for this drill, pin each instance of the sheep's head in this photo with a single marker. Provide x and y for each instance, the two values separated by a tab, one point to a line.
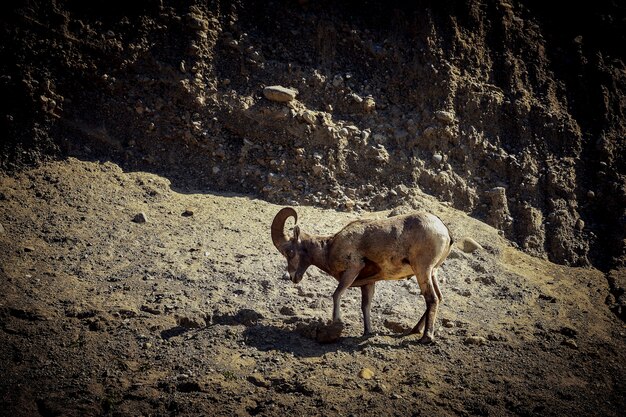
294	248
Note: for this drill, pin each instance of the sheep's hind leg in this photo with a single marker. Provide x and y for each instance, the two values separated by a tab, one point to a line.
367	293
426	324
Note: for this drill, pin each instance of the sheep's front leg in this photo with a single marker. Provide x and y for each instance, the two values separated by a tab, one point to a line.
345	281
367	293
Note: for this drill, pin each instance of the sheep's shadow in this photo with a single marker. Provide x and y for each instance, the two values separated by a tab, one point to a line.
304	337
301	337
271	337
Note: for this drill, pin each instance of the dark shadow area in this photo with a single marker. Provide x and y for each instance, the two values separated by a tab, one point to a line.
270	337
246	317
173	332
298	341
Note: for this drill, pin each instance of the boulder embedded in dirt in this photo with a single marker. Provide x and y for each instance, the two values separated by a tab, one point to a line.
279	93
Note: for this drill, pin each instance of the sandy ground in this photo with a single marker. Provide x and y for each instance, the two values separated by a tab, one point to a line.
186	314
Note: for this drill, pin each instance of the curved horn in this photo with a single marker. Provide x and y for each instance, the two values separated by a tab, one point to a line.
278	225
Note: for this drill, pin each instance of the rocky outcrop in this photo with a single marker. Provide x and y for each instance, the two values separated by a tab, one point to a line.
483	105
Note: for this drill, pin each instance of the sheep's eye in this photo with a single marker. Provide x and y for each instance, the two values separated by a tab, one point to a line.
290	253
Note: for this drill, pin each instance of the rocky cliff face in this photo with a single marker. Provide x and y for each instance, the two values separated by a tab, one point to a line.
510	111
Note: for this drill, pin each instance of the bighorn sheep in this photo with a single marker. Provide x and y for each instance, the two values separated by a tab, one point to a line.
367	251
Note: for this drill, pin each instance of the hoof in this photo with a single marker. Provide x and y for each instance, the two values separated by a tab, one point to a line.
367	335
427	340
413	331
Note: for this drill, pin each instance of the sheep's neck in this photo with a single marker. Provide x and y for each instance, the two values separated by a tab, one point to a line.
318	250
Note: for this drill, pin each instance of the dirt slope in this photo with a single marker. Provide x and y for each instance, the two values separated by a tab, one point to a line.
185	314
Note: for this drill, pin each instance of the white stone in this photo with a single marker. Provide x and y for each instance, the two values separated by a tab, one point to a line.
279	93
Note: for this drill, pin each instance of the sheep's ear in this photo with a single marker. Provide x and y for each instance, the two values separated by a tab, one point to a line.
296	233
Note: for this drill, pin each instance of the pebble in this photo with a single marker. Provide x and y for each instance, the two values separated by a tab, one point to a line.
29	249
140	218
1	229
279	93
369	104
366	373
187	213
437	158
448	323
475	340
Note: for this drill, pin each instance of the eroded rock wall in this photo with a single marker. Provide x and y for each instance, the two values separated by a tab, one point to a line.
510	111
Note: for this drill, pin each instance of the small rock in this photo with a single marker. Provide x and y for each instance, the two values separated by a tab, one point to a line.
448	323
475	340
1	229
580	224
309	117
437	158
445	116
591	194
318	169
366	373
279	93
29	249
368	104
356	98
430	132
140	218
187	213
469	245
147	345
